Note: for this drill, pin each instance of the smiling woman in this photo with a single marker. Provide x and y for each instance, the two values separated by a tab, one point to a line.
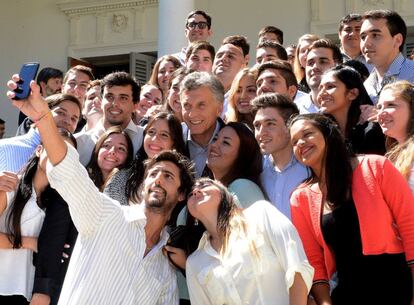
113	151
242	91
350	218
396	118
341	95
234	158
161	73
163	132
22	214
150	96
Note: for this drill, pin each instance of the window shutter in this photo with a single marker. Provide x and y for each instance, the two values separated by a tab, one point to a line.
141	66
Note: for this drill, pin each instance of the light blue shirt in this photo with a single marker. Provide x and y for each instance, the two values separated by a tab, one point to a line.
305	104
359	58
246	191
16	151
279	184
401	69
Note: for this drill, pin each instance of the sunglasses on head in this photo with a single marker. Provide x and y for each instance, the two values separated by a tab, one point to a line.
201	25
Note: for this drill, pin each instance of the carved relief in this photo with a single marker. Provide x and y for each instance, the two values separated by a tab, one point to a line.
107	27
119	23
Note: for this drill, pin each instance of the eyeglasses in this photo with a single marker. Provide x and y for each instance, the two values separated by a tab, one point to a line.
201	25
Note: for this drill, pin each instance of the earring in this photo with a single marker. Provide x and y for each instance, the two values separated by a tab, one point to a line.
195	221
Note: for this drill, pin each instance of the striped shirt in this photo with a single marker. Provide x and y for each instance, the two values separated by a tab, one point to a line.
16	151
108	266
400	69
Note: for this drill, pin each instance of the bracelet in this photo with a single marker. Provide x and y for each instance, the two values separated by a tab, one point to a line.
36	122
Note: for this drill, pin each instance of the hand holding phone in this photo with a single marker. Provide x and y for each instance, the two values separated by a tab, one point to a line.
27	74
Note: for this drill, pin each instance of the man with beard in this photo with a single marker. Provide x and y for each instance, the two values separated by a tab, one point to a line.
120	94
118	256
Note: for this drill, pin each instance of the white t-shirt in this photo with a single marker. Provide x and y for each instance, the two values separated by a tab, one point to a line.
16	267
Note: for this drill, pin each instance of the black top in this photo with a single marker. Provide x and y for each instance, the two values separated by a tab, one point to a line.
363	279
367	138
303	86
57	230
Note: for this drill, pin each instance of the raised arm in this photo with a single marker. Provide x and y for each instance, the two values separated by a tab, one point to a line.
37	109
88	207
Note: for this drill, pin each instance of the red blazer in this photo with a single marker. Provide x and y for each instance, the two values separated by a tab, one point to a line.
385	208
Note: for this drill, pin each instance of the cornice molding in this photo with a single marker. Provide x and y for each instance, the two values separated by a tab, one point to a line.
71	8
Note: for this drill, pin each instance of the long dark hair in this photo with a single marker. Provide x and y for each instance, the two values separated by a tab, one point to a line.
24	192
137	167
337	159
94	171
352	79
248	164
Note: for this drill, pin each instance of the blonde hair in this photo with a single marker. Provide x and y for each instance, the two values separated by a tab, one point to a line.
297	68
232	114
402	154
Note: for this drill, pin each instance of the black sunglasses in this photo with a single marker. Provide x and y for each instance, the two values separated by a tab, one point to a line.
201	25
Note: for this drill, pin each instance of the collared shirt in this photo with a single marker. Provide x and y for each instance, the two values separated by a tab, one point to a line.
305	104
181	56
299	95
16	151
242	276
225	105
86	140
400	69
108	264
280	183
198	153
359	58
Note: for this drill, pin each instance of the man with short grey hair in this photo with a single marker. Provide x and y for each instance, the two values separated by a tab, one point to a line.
202	96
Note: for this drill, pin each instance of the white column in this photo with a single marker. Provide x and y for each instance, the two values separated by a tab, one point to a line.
171	25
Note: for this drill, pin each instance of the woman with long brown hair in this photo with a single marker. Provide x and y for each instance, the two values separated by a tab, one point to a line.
113	151
235	160
351	219
22	213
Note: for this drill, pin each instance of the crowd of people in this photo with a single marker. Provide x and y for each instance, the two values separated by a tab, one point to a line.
289	182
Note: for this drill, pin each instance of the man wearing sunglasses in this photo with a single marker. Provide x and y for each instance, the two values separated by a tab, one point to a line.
197	28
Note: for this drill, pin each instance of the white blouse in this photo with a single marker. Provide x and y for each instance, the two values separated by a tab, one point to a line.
16	265
245	277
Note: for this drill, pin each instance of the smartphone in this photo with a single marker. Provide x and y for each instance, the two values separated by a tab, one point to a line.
27	74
